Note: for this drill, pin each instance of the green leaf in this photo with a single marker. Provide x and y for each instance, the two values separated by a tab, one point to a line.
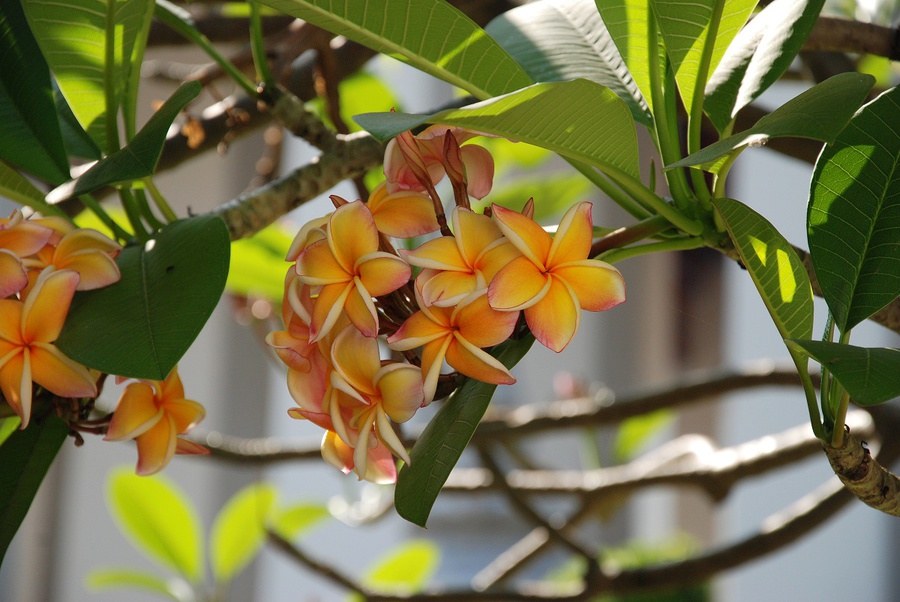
78	37
257	264
635	432
78	142
137	159
17	188
25	458
134	20
29	131
239	531
158	519
8	426
430	35
561	40
169	287
174	588
627	24
579	119
359	93
406	570
854	214
294	520
685	28
758	56
776	270
819	113
442	442
871	376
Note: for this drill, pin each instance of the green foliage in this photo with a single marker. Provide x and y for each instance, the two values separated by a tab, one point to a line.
431	35
30	137
257	265
405	570
173	588
553	116
158	519
137	159
8	426
17	188
295	520
777	272
25	457
563	40
854	214
634	433
758	56
627	22
239	530
359	93
871	376
169	287
819	113
442	442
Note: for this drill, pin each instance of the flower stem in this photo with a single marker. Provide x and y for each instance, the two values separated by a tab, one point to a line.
679	244
258	47
95	207
160	201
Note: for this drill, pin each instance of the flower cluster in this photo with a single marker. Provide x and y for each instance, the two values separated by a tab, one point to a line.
43	262
348	286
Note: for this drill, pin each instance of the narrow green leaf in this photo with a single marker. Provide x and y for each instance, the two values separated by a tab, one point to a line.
685	28
819	113
563	40
158	519
138	158
758	56
854	214
871	376
8	426
627	22
169	287
406	570
580	119
17	188
133	21
442	442
239	531
29	132
430	35
174	588
297	519
776	270
25	458
78	142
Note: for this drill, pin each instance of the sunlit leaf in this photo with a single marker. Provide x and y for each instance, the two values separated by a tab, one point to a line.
777	272
138	158
580	119
634	433
560	40
854	214
169	287
405	570
295	520
359	93
158	519
25	458
758	56
172	588
239	530
442	442
430	35
257	264
8	426
819	113
871	376
627	22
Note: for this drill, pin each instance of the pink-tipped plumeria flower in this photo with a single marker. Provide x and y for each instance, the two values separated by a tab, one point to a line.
403	213
380	465
153	414
348	270
456	266
553	280
365	396
28	330
458	335
82	250
19	238
407	156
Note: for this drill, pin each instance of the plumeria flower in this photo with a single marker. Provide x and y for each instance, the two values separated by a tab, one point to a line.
553	279
456	266
403	213
19	238
380	465
364	395
407	156
153	414
348	270
82	250
28	330
457	335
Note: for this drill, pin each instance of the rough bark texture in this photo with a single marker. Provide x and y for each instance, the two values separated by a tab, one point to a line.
864	476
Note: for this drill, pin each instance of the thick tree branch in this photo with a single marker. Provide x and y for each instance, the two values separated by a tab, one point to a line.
834	34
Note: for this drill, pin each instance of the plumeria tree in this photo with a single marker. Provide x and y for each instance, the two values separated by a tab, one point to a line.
429	286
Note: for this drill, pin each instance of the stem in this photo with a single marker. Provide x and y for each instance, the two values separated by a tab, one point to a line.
619	198
258	47
160	201
720	176
631	234
180	20
695	118
680	244
837	434
825	389
812	404
112	107
95	207
666	135
652	201
144	207
134	214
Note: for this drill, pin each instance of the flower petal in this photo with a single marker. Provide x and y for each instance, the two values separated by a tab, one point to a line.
447	288
15	384
432	361
185	414
355	357
24	238
400	386
47	304
524	233
389	438
336	452
382	273
554	319
477	363
597	285
415	332
156	447
474	232
440	253
86	239
12	274
481	325
60	375
11	321
327	308
96	269
352	233
360	309
135	414
517	286
184	447
402	214
573	236
316	265
479	170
